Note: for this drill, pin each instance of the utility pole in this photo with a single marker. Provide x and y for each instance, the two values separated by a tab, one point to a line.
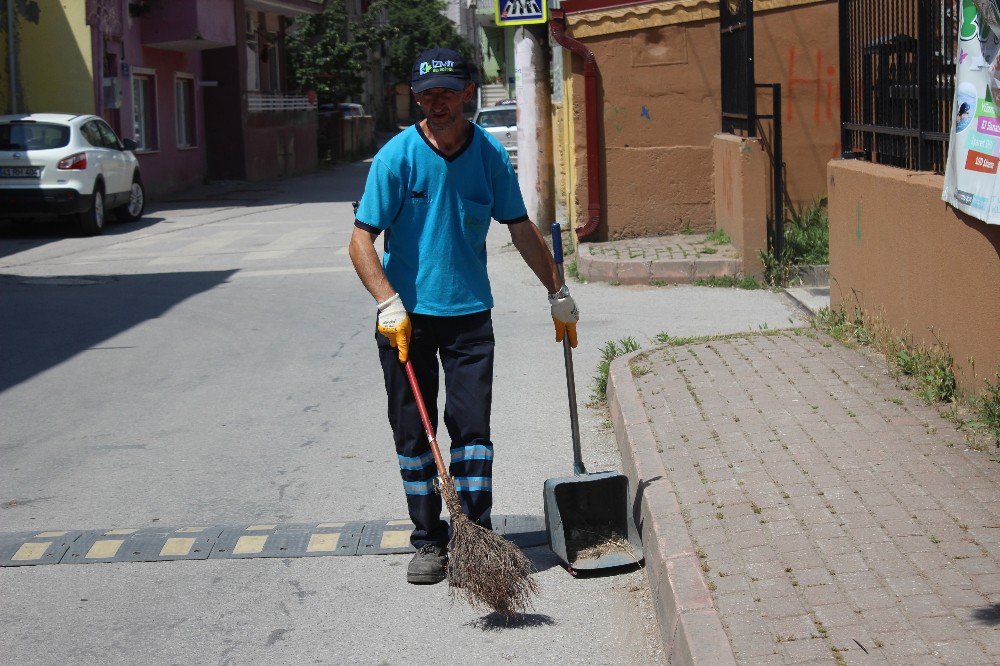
534	123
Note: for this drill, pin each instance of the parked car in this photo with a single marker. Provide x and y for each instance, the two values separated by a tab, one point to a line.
61	164
346	109
501	122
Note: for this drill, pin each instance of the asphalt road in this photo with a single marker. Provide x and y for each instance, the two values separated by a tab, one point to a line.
215	364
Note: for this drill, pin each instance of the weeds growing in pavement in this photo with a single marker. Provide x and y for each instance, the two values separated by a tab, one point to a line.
609	352
719	237
931	369
988	409
734	281
807	241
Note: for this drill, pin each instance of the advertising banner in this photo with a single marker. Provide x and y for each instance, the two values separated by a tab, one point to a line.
970	177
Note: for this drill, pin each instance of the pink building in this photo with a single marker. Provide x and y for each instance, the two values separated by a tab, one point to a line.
202	86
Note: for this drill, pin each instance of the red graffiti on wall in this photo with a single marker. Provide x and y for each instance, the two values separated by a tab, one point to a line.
825	83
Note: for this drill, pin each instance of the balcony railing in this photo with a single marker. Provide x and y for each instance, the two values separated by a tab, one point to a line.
260	102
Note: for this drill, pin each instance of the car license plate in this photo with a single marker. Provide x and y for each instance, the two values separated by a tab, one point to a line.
20	172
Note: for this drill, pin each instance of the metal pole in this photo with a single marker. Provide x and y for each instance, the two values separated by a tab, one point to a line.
778	178
847	69
11	58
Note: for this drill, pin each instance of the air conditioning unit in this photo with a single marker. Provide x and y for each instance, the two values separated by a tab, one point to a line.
112	93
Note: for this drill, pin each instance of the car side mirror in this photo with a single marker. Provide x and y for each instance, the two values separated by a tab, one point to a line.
129	144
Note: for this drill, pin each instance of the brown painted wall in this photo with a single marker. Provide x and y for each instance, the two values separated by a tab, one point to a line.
905	253
281	144
740	181
659	94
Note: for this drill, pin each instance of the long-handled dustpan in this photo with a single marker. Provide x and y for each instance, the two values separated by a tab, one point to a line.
587	514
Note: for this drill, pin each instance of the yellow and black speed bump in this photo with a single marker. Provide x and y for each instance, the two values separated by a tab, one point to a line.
143	545
385	537
28	548
199	542
288	540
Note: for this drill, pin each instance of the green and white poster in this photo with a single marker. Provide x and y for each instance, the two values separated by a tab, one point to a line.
970	177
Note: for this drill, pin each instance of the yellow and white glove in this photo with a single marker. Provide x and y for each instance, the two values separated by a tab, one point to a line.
394	323
564	315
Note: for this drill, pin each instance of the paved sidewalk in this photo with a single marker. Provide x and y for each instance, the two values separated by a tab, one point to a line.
797	506
679	258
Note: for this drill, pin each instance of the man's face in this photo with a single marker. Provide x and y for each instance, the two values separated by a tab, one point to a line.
443	106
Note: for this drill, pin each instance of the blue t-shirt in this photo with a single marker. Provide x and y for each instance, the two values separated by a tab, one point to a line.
436	211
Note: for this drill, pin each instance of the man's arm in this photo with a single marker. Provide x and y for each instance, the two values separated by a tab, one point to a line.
529	242
368	266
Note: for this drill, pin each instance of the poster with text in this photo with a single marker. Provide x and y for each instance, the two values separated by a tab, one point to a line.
970	177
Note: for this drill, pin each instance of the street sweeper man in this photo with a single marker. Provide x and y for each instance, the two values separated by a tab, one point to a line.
433	189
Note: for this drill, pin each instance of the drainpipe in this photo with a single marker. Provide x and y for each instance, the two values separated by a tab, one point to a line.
11	58
557	25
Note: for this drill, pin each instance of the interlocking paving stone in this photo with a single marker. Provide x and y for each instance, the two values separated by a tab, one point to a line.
867	517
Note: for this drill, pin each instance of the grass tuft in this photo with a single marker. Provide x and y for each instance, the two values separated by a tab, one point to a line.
609	352
730	281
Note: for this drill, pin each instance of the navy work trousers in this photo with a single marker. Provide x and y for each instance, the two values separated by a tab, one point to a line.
465	347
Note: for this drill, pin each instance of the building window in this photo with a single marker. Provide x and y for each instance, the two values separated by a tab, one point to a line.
184	112
253	53
273	63
144	110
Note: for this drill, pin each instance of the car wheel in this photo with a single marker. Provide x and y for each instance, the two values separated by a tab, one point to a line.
133	210
92	221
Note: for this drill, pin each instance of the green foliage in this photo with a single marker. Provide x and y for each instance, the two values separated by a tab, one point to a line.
331	55
807	241
736	281
609	352
719	237
988	408
331	52
420	25
807	234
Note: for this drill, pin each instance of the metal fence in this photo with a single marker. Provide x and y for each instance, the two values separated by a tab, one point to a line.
739	106
897	80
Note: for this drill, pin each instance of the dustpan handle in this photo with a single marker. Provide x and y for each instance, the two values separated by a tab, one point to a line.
574	419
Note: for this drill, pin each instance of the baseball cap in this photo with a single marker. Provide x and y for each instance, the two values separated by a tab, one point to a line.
439	68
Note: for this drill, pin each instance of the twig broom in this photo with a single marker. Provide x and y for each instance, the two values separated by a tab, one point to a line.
485	568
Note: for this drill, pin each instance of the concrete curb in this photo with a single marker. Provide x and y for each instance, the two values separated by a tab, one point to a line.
648	271
690	627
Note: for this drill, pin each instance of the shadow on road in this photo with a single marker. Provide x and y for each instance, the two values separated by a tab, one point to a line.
46	321
27	235
498	622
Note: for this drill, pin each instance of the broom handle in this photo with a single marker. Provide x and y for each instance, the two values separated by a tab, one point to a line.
574	420
428	428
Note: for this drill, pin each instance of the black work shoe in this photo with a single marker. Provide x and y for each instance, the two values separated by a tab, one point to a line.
427	566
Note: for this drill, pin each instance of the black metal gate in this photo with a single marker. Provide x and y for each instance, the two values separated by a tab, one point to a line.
739	97
739	105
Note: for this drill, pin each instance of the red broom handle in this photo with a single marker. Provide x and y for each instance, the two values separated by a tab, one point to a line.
428	428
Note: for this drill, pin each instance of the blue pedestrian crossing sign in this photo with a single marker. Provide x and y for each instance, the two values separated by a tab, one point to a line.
520	12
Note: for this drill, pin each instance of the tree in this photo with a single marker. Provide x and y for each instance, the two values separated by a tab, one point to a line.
421	25
330	55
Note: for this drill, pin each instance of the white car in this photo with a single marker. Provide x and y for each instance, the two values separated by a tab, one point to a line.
62	164
501	122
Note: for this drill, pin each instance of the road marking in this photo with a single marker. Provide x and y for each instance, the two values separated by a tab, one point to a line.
49	535
395	539
399	522
122	531
288	244
292	271
319	543
247	545
329	525
104	548
177	546
258	528
31	551
192	530
200	248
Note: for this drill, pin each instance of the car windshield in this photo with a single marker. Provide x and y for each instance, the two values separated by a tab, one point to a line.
498	118
32	136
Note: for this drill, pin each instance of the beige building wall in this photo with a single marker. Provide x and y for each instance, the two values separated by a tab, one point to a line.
898	251
660	103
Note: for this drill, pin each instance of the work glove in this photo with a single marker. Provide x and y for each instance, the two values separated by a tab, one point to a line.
394	323
564	315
